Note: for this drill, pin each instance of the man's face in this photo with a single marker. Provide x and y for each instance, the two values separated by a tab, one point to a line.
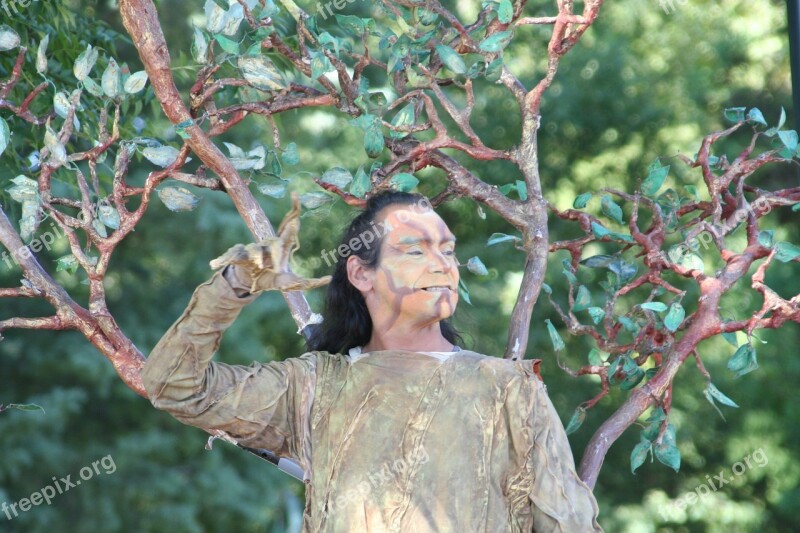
416	279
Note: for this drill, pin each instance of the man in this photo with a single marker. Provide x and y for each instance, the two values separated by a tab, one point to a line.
395	426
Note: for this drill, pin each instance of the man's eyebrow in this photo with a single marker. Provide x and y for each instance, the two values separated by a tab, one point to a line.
417	240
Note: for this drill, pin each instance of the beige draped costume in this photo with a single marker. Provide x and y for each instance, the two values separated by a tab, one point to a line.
390	440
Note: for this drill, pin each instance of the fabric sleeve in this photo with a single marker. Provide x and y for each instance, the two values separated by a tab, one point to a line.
264	405
561	500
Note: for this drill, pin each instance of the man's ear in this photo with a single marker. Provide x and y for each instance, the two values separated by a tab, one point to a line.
360	276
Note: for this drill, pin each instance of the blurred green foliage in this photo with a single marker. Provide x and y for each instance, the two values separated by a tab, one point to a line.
641	84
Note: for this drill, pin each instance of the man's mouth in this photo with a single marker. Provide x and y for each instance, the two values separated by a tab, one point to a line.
437	288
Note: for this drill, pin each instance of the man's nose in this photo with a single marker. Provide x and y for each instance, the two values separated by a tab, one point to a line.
440	262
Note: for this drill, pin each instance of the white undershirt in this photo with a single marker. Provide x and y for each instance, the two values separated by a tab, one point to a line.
356	354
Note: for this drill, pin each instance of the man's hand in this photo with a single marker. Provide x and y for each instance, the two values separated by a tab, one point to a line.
264	266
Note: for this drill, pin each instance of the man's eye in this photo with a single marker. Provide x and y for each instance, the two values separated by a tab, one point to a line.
449	252
415	252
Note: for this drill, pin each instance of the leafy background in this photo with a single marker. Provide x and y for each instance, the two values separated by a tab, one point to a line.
641	84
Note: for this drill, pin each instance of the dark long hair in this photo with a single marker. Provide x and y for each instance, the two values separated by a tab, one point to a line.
346	320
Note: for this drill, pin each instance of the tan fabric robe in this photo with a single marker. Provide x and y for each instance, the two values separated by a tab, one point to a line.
395	441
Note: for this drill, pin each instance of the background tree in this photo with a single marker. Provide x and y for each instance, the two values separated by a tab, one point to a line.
321	92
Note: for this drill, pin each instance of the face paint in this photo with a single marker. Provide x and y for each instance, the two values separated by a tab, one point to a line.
416	280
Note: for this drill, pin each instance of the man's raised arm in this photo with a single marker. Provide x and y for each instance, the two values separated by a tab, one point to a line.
264	405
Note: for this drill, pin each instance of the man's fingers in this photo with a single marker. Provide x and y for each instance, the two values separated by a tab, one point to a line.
235	254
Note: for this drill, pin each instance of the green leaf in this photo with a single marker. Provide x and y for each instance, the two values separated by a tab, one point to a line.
654	180
476	266
25	407
178	198
555	338
628	324
276	189
594	356
730	337
597	314
112	80
403	119
497	238
786	251
675	317
522	190
789	139
84	63
505	11
782	119
691	189
351	24
330	42
583	299
658	307
162	156
261	73
569	272
611	209
669	455
373	141
735	114
41	55
692	261
67	263
403	182
199	47
313	200
713	393
624	270
743	361
427	17
109	216
463	291
338	176
577	419
766	238
581	200
599	230
5	135
230	46
755	115
360	184
9	39
320	64
136	82
598	261
639	454
496	42
290	156
494	70
451	59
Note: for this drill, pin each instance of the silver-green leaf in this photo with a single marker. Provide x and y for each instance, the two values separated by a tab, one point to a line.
84	63
9	39
261	73
136	82
162	156
178	198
